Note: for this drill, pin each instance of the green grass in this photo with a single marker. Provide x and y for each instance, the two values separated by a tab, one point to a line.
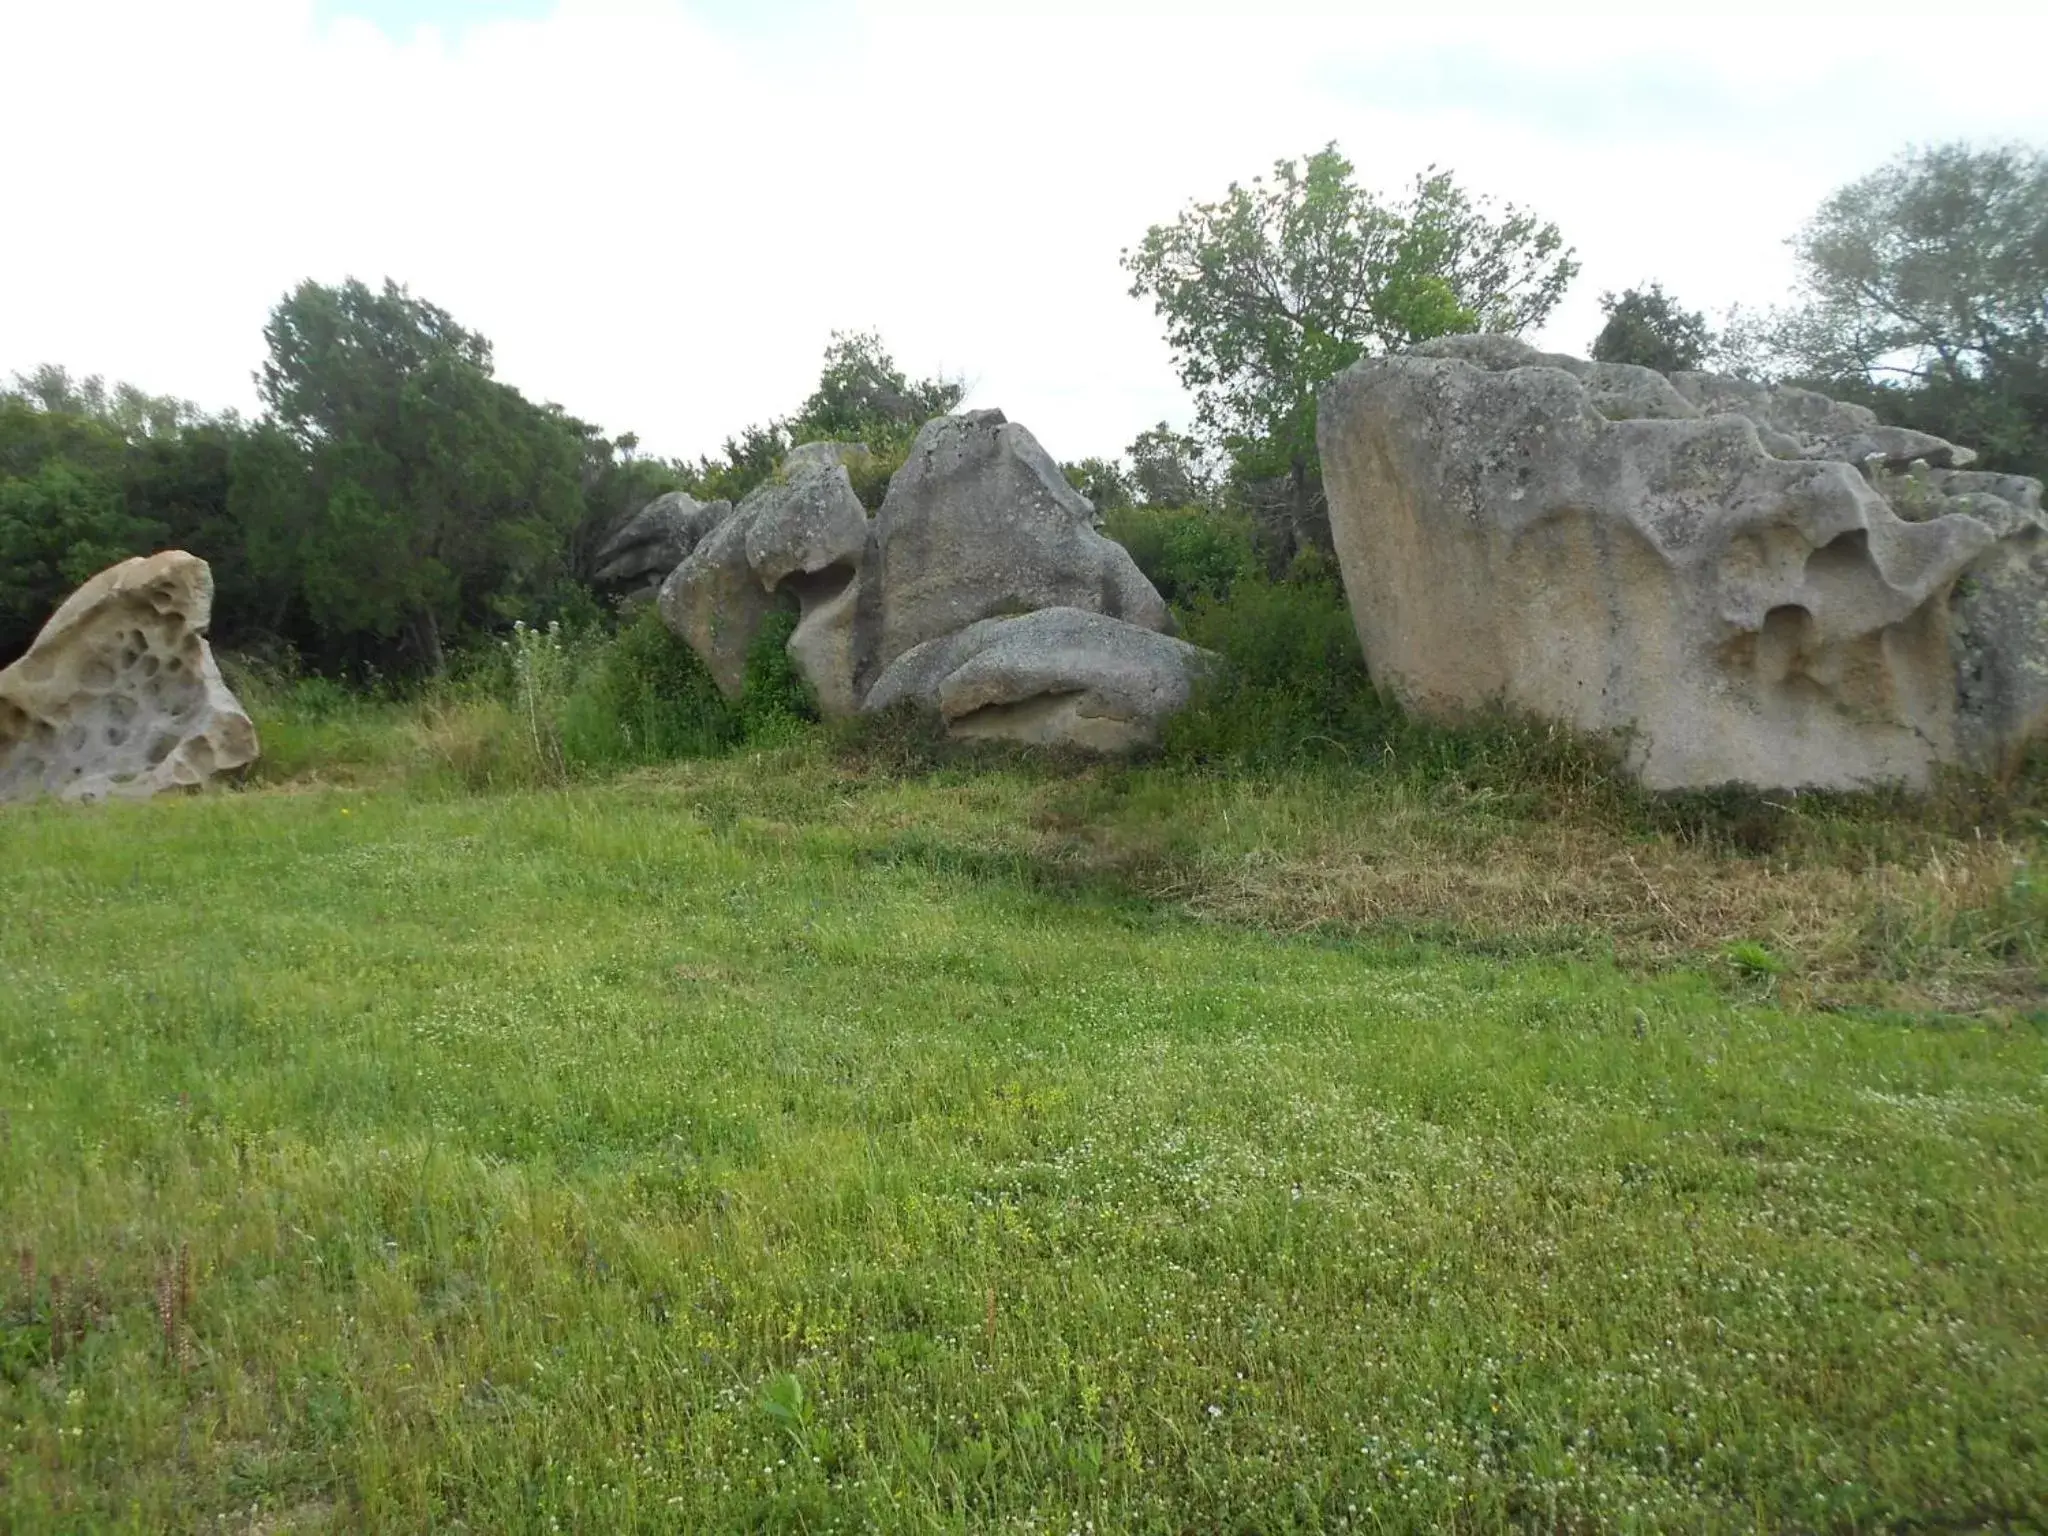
763	1145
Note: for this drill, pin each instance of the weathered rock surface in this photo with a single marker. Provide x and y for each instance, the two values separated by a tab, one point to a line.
979	528
656	539
119	695
801	536
980	522
1058	676
1716	568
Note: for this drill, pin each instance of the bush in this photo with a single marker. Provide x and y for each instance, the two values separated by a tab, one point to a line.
646	698
776	705
1292	682
1186	552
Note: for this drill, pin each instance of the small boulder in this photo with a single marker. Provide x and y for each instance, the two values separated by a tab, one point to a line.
657	539
119	695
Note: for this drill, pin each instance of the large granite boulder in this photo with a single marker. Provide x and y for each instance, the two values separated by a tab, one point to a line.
800	537
1057	676
980	522
981	590
119	695
655	540
1753	584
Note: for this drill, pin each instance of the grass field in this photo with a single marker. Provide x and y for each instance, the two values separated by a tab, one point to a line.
767	1144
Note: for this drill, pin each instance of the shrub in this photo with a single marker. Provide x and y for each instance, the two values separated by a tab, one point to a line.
646	698
776	705
1292	682
1186	552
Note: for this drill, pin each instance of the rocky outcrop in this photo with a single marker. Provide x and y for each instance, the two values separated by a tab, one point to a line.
119	695
981	590
1752	584
655	540
1059	676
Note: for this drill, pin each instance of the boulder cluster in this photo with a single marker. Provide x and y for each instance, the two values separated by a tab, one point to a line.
1747	583
981	590
119	694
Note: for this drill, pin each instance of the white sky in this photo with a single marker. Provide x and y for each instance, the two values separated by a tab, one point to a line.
658	210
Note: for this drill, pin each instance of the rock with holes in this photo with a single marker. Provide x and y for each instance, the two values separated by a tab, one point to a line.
1054	677
639	555
1751	584
119	694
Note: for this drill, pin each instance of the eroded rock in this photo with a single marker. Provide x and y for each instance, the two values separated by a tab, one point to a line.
1739	578
967	593
119	695
800	537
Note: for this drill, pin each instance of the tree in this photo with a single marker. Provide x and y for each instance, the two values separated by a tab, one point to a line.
1925	294
1646	327
1272	290
1169	469
861	397
57	528
1102	481
434	496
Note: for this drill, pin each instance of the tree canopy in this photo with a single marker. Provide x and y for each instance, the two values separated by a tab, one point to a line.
1924	292
1281	283
862	396
1645	326
431	494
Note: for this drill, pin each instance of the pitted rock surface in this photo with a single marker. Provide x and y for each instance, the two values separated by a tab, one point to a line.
119	695
1755	584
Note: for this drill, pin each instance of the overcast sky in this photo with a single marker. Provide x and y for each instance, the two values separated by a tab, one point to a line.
658	210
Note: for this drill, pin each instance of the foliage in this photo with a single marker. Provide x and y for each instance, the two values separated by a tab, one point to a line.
1278	286
1291	686
861	397
1188	553
1102	481
1171	469
1645	326
776	704
647	699
57	527
1925	296
432	497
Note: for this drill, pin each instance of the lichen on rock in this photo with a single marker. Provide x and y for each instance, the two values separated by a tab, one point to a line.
1753	584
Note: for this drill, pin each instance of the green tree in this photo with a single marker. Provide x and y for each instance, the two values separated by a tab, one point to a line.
1273	289
1924	293
434	496
861	397
1645	326
1102	481
57	527
1169	469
